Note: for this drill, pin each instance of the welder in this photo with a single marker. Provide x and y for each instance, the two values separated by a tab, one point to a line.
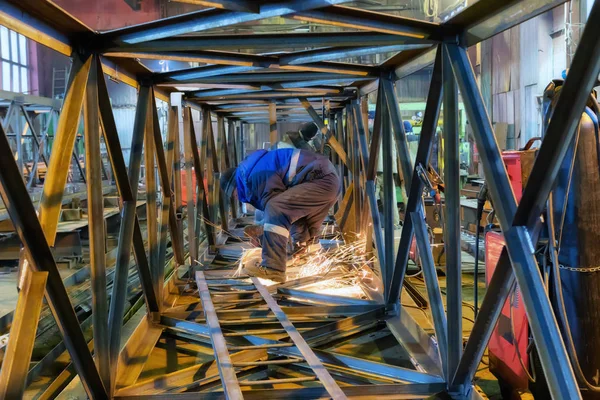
295	188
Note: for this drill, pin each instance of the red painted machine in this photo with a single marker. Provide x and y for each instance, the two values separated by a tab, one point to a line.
509	341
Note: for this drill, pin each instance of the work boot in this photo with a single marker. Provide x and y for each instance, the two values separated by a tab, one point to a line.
260	271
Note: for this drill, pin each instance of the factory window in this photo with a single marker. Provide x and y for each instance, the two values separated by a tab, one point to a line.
13	51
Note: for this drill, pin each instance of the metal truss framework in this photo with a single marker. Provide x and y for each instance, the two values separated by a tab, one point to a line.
237	93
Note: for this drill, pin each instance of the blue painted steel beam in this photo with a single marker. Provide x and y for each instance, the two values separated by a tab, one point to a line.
267	41
336	53
211	19
231	74
373	21
248	6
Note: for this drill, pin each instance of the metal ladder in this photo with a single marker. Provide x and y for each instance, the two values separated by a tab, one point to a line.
59	81
296	351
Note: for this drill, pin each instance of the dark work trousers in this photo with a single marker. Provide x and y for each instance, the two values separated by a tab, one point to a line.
301	209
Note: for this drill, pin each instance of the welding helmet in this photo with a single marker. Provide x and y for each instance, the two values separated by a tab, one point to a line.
308	130
228	181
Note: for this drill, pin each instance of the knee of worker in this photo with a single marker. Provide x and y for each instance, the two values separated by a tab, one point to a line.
275	215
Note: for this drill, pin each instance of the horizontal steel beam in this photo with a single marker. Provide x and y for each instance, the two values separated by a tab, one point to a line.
234	74
246	60
233	5
267	41
274	94
231	92
336	53
210	19
355	18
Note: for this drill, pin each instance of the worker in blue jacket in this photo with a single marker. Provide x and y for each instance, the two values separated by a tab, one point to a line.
295	189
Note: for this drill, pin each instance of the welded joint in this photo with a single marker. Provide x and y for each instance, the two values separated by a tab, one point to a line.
154	317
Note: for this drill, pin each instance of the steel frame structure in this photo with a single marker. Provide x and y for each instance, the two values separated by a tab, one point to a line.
234	84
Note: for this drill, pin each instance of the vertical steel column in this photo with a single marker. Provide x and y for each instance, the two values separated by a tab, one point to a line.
23	215
202	195
213	172
95	201
341	165
388	188
13	374
151	190
354	159
452	217
190	189
428	129
167	215
232	160
551	349
171	160
370	161
273	136
177	113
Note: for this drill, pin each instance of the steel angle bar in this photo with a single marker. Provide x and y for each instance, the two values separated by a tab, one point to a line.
22	335
338	360
188	378
188	155
428	134
199	171
343	328
66	133
233	5
370	162
452	217
231	386
23	215
393	107
551	349
495	17
433	288
315	364
372	21
209	19
164	173
421	347
324	298
498	290
269	41
151	192
97	239
215	71
388	188
231	74
303	57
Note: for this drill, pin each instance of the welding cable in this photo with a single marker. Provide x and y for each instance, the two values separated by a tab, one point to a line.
531	376
561	313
